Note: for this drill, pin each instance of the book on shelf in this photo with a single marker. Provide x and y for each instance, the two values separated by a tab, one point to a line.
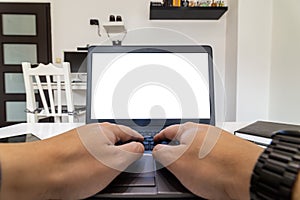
260	132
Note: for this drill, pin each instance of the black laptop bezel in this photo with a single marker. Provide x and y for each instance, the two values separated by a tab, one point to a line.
151	49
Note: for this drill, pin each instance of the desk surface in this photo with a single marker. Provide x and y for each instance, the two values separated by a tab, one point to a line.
40	130
47	130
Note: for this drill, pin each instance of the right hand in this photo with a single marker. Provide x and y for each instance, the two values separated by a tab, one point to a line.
222	172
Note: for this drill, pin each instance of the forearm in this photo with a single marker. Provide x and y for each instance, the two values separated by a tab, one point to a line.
20	172
34	170
296	189
0	176
56	168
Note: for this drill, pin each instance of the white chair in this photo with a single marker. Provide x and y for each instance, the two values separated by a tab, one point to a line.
55	82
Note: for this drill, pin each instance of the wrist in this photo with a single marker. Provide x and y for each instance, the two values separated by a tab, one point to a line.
296	189
0	174
243	177
240	161
276	170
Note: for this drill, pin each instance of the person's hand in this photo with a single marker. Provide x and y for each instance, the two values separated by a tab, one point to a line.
210	162
67	166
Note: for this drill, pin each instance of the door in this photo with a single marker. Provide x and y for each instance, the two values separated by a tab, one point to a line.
25	35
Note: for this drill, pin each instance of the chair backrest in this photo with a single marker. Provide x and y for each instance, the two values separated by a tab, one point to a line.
51	79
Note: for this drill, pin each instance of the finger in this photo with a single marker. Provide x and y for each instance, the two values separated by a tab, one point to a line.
170	133
97	139
133	147
125	133
116	133
126	154
167	155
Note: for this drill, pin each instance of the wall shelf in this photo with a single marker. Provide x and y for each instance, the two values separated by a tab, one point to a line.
186	13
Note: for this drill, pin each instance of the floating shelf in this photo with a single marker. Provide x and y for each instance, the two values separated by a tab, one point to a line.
114	27
186	13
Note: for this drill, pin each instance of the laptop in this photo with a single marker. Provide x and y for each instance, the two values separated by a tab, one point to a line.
149	88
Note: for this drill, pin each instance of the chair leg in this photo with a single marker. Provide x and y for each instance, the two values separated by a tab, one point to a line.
71	118
32	118
57	119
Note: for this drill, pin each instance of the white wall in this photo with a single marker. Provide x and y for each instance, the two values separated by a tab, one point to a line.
285	71
268	83
254	59
33	1
70	29
255	48
71	25
231	60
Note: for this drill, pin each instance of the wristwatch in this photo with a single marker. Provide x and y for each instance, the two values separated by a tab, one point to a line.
277	168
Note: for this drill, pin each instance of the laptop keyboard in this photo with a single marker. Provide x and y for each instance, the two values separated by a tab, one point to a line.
148	142
148	139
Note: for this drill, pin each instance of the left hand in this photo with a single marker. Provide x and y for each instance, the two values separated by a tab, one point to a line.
63	167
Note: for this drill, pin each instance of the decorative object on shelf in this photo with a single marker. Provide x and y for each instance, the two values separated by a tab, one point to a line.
184	3
118	18
186	13
205	3
188	3
176	3
167	3
214	4
192	3
159	4
221	4
112	18
115	26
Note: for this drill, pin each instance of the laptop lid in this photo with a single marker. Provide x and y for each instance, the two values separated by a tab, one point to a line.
142	86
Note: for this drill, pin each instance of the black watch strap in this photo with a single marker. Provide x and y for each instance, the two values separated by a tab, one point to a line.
277	168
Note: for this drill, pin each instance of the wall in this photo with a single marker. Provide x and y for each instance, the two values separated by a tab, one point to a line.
268	72
231	60
255	48
71	25
285	71
254	59
70	29
24	1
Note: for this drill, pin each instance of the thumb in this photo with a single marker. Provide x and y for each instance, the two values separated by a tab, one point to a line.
128	153
133	147
167	154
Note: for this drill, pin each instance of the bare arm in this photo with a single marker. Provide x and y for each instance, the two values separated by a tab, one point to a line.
221	172
58	168
296	189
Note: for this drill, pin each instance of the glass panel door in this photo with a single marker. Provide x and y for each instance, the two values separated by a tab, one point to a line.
15	111
19	24
14	83
15	54
25	35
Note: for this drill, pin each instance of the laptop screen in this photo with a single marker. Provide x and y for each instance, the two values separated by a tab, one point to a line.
142	83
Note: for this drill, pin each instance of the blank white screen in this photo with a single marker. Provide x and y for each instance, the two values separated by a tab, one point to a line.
150	85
